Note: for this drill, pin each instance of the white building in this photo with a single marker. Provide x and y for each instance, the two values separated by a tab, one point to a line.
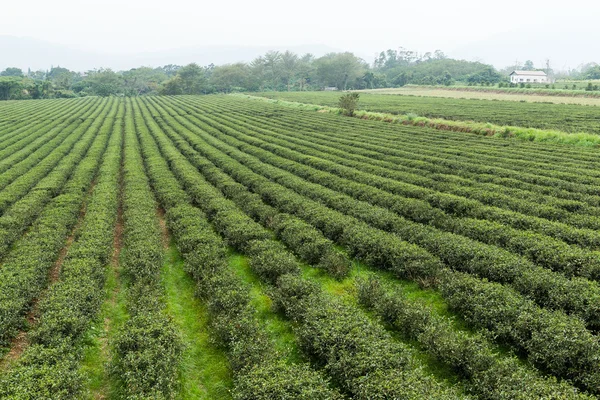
529	77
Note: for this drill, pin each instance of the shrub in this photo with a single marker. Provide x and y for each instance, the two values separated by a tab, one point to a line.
349	103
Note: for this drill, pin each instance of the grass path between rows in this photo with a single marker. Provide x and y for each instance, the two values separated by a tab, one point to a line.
276	325
346	290
281	330
204	371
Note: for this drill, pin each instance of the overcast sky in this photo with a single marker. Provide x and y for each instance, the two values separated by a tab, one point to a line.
133	26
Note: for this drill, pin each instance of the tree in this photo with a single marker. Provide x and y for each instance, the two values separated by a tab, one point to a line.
401	79
349	103
528	66
439	55
170	70
12	72
172	87
257	71
272	63
289	66
104	82
369	79
143	80
231	77
592	72
193	80
338	69
446	79
10	86
37	75
305	70
56	72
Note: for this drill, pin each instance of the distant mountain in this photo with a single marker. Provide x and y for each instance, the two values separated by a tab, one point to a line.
36	54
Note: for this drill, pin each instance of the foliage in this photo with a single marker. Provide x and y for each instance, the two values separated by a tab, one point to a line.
503	234
349	103
12	72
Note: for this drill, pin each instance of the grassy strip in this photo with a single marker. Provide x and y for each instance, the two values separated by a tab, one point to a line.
205	372
462	94
278	328
484	129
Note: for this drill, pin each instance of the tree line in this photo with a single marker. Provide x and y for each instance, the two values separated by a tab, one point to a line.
273	71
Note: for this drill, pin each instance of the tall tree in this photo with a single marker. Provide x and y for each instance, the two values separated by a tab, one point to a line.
338	69
289	67
272	68
258	73
192	78
305	70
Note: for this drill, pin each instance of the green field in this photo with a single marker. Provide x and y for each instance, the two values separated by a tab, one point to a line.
218	247
486	94
563	117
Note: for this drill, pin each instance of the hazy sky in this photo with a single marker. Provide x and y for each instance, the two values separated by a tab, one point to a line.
127	26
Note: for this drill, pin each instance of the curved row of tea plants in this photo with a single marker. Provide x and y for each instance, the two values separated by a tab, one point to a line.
499	379
547	358
271	261
259	371
534	204
548	288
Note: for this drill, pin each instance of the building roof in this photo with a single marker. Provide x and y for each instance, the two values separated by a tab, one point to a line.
534	73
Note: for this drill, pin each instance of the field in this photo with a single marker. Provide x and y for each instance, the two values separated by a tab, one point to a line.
485	94
570	118
217	247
